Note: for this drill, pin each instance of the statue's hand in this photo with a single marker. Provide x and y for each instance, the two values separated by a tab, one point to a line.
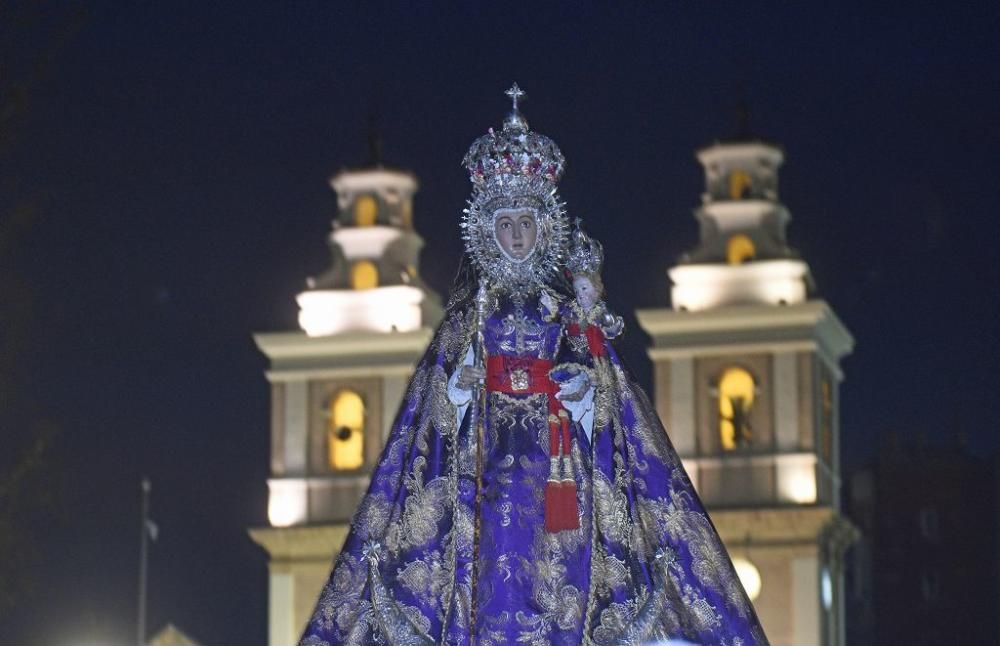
611	324
547	302
575	389
470	376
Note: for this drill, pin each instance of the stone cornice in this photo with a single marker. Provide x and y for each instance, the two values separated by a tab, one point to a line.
812	323
294	347
772	525
300	543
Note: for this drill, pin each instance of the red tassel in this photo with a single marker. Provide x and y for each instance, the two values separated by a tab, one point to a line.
560	508
553	495
570	515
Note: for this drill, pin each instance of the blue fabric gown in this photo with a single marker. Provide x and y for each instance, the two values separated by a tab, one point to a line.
420	566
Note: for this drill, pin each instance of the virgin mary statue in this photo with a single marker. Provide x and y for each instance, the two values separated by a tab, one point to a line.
527	492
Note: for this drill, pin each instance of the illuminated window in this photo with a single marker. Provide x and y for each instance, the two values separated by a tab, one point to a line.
740	249
345	434
736	395
364	275
406	212
740	183
365	210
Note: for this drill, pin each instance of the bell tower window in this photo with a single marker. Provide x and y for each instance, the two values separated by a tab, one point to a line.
737	390
365	210
740	184
345	434
406	214
740	249
364	275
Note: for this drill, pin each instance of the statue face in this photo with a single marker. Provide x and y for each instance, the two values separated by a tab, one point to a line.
586	293
516	231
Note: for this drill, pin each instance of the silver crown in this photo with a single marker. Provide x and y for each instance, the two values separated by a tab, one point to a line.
514	151
515	168
586	255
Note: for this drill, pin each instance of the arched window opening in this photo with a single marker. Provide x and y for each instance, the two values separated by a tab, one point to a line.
740	249
406	213
365	211
345	433
736	397
364	275
740	184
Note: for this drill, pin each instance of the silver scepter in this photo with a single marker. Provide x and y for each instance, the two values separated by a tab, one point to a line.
477	357
476	427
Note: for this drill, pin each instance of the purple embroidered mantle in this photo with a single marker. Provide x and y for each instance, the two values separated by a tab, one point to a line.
646	563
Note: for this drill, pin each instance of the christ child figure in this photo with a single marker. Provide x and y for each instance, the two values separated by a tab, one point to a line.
588	327
592	322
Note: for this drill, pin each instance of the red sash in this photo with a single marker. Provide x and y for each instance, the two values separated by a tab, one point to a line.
523	376
520	375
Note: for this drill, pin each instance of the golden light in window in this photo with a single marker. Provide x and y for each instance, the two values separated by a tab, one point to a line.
739	249
365	211
736	395
406	212
739	184
345	434
364	275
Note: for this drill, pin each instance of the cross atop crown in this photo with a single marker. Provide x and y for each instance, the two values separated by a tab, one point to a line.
515	93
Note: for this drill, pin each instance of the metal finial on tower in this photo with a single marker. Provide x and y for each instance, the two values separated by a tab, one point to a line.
374	140
743	113
743	130
146	533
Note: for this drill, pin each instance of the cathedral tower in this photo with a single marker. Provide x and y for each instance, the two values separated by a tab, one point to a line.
747	374
336	385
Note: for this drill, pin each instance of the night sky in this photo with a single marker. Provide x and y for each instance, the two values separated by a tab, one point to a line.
177	160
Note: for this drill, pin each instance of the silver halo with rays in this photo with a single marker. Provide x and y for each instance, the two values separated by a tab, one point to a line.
511	169
546	258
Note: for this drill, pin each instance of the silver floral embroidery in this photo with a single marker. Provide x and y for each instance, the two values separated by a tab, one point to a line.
517	414
562	603
424	508
398	623
611	507
609	572
505	508
340	606
372	516
425	578
454	335
503	565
